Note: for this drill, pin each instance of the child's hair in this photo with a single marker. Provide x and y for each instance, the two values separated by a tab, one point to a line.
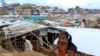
69	40
67	36
64	32
72	47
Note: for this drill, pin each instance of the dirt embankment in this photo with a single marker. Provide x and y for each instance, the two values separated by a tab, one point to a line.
7	53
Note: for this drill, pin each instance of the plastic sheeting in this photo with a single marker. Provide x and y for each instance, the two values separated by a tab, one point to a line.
86	39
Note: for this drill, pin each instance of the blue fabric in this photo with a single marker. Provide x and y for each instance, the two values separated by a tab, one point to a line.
10	9
34	17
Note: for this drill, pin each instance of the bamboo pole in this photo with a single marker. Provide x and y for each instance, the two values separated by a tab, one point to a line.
47	39
40	39
6	35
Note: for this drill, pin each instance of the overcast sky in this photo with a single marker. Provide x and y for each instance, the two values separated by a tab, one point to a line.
65	4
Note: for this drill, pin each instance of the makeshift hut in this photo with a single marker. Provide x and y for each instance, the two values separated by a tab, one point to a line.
39	35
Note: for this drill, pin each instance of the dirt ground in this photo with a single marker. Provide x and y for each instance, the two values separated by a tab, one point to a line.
7	53
4	52
1	37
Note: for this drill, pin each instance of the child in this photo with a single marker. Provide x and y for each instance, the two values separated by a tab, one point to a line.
62	45
72	49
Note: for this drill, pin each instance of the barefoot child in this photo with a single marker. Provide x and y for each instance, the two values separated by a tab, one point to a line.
62	45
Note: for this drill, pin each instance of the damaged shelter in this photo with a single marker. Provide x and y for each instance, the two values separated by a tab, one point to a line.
3	23
39	35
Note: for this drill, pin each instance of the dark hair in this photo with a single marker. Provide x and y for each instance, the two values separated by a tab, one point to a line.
84	20
66	33
72	47
67	36
70	39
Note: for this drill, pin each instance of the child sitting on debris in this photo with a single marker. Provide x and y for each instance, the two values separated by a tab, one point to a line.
62	45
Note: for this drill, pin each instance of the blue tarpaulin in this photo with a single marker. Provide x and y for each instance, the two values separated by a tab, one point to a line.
34	17
10	9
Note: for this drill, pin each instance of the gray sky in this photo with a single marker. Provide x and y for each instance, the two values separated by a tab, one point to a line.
65	4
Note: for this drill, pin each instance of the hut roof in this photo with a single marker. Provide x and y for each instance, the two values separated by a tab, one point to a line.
3	23
19	28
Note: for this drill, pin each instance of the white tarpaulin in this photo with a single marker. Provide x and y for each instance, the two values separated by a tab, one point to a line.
86	39
3	23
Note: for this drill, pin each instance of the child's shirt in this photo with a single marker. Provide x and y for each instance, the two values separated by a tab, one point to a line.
62	50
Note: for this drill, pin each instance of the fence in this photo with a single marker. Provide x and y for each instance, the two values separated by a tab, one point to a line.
19	46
